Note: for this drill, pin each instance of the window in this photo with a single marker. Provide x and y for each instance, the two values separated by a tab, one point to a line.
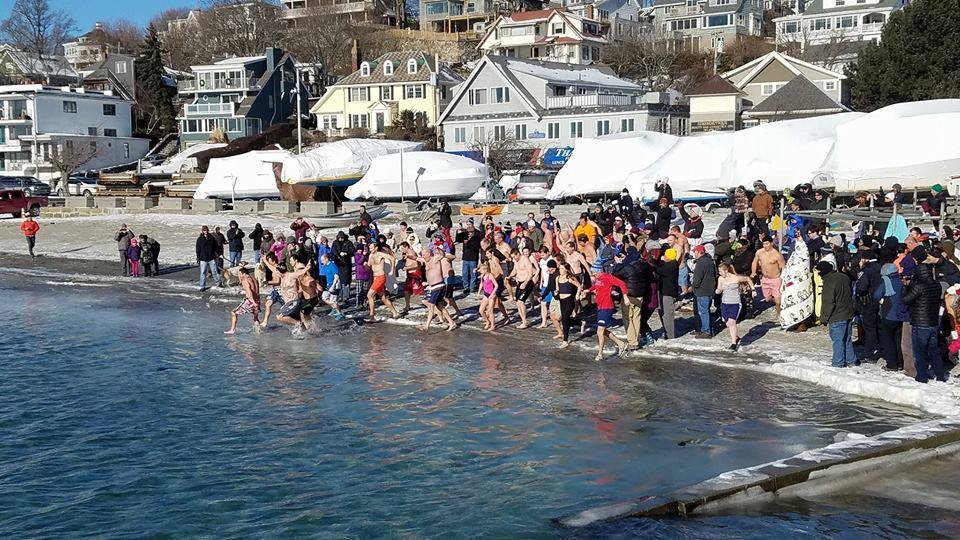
847	22
626	125
411	66
92	131
460	135
365	69
553	130
603	127
121	67
388	68
499	133
663	125
821	24
70	107
501	95
478	96
685	24
359	121
791	27
718	20
329	121
107	132
830	85
520	132
386	93
766	90
109	109
557	29
413	91
358	94
478	134
576	130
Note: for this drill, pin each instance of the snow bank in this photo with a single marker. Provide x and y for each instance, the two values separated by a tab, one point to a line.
693	164
176	162
602	165
247	175
914	144
349	157
782	154
425	175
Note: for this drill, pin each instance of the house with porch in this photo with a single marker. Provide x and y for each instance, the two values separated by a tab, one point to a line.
554	35
239	96
706	25
550	105
368	100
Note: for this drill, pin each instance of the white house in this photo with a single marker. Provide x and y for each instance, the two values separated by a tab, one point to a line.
706	25
836	27
555	35
550	104
38	122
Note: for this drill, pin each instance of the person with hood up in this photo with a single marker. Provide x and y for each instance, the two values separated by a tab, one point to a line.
625	203
924	297
762	208
150	255
837	312
893	313
342	251
235	238
256	236
122	238
869	280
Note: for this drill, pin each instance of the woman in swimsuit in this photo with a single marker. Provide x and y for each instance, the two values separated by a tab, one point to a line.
728	287
565	300
488	296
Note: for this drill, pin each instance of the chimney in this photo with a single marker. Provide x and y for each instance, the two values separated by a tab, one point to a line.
355	56
273	55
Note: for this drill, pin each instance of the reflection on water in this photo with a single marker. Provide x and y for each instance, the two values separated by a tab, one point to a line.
116	405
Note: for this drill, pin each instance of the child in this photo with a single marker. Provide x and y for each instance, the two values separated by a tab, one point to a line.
134	252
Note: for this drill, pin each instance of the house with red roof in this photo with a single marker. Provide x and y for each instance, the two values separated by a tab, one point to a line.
553	35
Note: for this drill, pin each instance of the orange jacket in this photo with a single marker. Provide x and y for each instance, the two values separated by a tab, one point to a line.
29	228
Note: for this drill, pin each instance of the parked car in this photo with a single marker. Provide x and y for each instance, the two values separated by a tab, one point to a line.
80	184
15	201
534	185
29	184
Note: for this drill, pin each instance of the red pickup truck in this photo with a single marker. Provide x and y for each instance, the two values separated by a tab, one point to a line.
15	201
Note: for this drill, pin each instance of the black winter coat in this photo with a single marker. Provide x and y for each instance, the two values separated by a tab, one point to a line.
704	280
637	277
923	298
668	275
868	282
836	298
235	239
471	244
207	248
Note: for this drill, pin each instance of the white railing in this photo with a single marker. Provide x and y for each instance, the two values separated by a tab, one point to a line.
210	108
218	84
590	100
685	10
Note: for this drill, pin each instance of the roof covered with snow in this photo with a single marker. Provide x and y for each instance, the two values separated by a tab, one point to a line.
561	73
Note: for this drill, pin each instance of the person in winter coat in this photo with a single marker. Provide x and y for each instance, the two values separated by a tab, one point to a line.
629	271
235	238
664	191
625	203
30	228
893	313
664	214
445	213
134	252
207	249
704	283
122	238
256	236
923	298
668	272
837	312
299	228
150	255
342	251
469	237
868	281
221	241
762	207
692	223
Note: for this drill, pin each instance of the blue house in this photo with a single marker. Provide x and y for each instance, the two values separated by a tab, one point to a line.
241	96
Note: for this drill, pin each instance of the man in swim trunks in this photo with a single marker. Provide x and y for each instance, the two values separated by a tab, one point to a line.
273	274
291	312
770	262
251	301
446	265
525	274
379	259
436	289
310	297
496	271
413	284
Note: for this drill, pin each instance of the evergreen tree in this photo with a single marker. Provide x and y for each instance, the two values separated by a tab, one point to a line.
918	58
155	96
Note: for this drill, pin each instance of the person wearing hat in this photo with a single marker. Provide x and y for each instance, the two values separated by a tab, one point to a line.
936	202
704	283
893	315
762	207
625	203
122	237
923	298
663	217
692	222
868	280
207	258
668	286
836	312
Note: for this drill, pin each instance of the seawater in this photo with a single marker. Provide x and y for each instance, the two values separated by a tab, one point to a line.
125	412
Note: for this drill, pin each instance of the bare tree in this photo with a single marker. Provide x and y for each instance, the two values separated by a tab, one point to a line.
122	35
240	27
658	60
833	52
501	154
318	38
160	20
35	27
70	155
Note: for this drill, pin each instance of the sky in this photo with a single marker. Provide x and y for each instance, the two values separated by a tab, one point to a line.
87	12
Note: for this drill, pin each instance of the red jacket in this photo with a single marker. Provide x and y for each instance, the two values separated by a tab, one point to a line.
603	286
29	228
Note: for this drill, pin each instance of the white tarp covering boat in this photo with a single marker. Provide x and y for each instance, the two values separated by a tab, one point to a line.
425	175
602	165
781	154
693	167
176	163
247	176
913	144
345	160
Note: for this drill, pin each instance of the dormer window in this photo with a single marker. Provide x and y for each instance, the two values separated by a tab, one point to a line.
365	69
412	66
388	68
